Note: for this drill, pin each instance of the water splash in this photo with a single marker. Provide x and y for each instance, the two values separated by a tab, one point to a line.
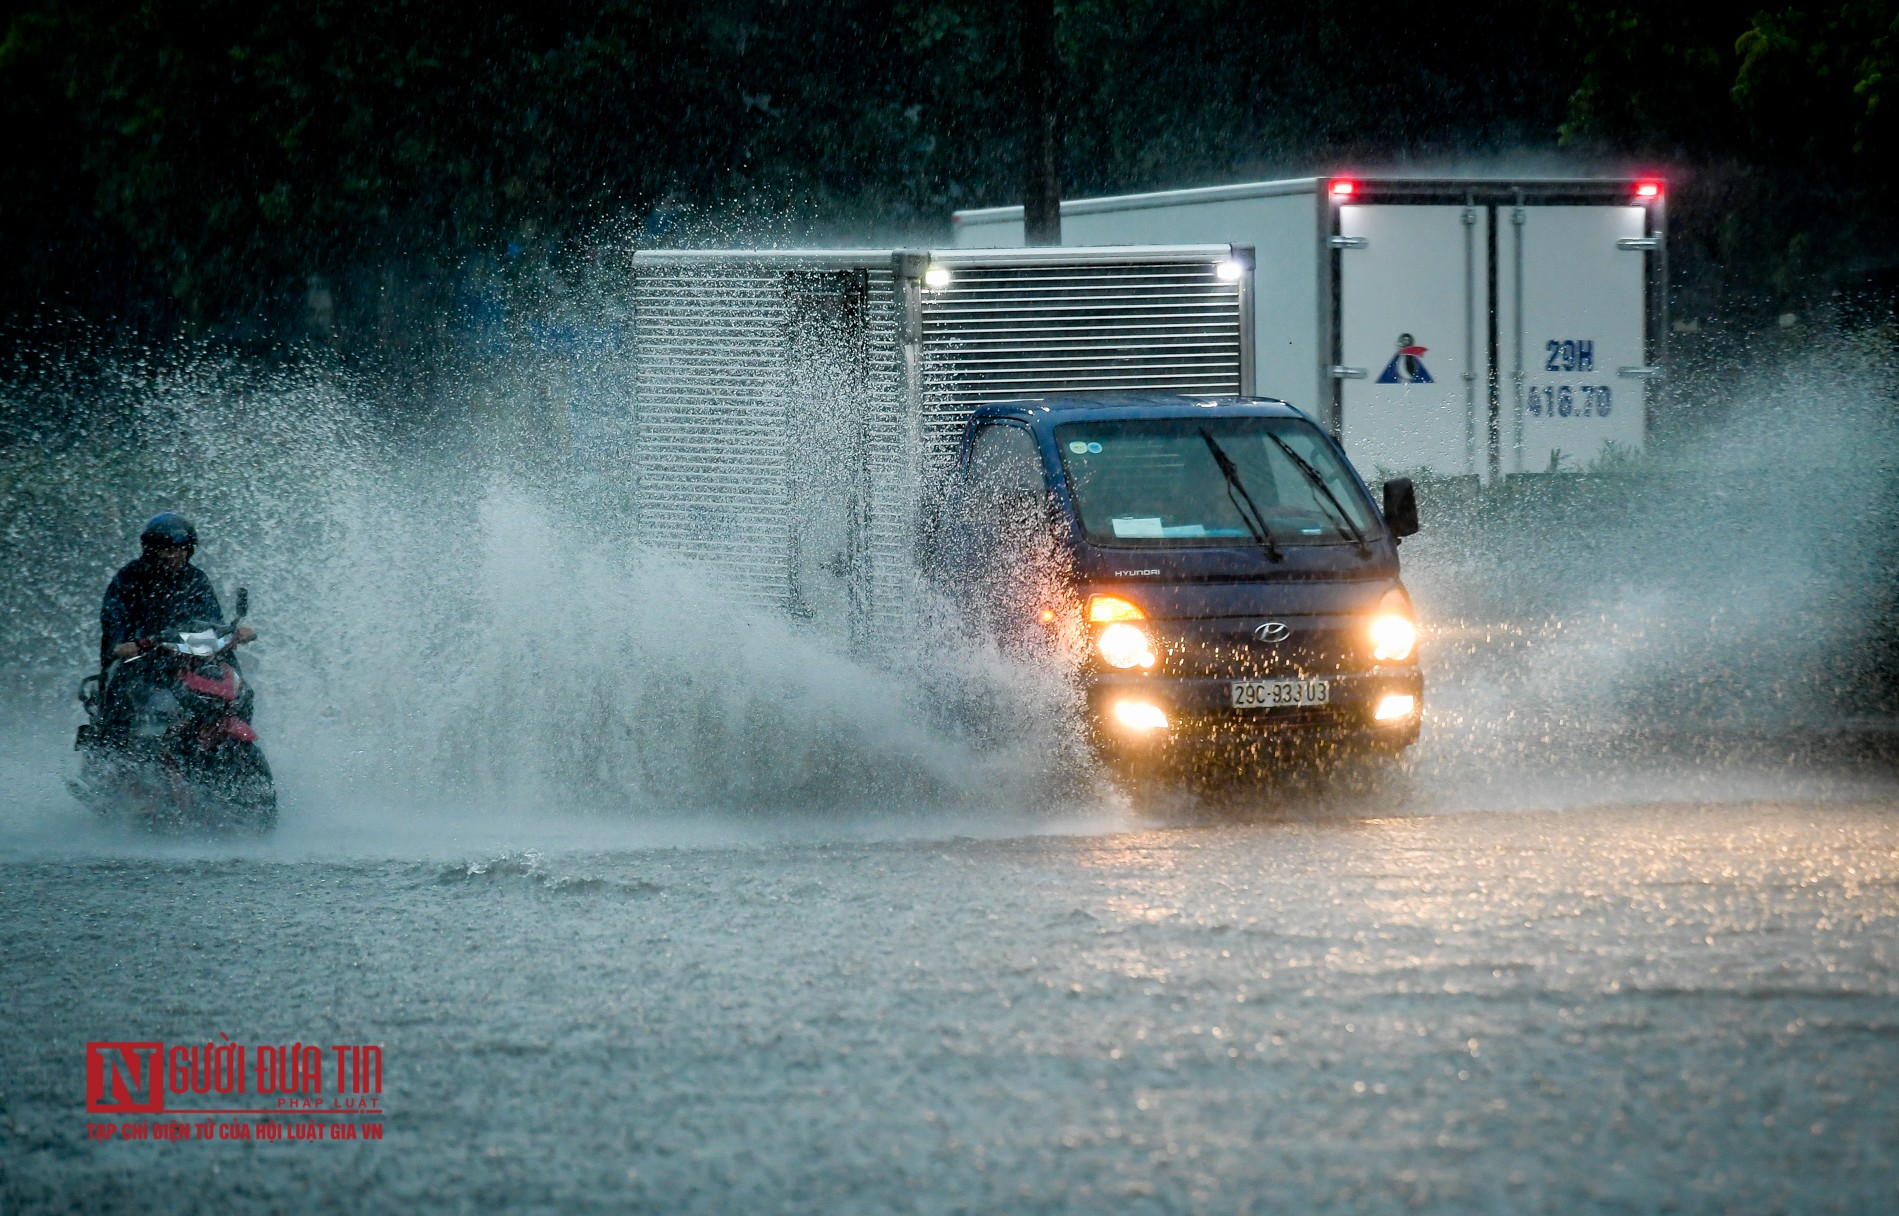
445	627
458	624
1736	587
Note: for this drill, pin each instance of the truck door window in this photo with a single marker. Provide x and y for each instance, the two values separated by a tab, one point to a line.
1004	463
1010	559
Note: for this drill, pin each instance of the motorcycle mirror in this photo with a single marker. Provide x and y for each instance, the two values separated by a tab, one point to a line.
243	603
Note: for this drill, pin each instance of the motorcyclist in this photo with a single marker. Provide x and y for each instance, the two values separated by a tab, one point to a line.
154	594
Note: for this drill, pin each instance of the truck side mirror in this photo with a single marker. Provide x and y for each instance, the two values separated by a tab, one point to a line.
1401	507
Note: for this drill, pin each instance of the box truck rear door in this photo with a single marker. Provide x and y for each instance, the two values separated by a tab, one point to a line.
1413	314
1571	335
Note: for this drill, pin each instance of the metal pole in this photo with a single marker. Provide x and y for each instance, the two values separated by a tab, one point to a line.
1331	349
1657	353
1470	332
1249	375
1041	126
909	267
1517	219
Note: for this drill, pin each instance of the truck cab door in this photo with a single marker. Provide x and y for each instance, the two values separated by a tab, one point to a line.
1007	555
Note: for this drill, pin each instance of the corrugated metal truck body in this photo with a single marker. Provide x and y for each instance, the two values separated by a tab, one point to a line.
1448	326
794	409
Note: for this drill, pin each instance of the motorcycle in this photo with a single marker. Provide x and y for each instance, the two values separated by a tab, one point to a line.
169	742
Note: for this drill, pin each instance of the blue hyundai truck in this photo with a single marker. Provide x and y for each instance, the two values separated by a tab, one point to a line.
1224	572
1068	442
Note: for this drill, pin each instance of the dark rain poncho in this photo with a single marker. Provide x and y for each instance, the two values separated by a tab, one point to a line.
145	599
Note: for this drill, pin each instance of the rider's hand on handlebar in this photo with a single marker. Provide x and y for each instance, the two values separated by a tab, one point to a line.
245	633
125	650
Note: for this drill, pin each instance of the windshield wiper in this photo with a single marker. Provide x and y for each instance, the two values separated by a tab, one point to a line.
1256	522
1312	475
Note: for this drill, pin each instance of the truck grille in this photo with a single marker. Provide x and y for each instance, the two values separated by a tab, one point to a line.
1311	651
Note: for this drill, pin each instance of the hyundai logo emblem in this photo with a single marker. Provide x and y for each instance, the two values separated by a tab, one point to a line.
1272	631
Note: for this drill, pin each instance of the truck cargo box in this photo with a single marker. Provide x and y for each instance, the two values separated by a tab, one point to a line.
794	410
1467	326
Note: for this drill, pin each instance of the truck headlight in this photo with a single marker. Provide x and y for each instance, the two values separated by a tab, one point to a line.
1393	638
1125	645
1394	635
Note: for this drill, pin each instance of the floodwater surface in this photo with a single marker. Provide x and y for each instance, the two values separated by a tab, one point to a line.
1686	1007
656	901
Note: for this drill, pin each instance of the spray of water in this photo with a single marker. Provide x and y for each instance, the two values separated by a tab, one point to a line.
1731	592
448	627
457	630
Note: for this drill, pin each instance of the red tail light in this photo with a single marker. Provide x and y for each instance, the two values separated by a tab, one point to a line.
1648	189
1343	187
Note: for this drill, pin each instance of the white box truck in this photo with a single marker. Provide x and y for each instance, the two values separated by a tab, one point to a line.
1449	326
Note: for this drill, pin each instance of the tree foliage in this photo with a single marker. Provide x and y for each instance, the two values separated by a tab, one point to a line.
244	167
1775	118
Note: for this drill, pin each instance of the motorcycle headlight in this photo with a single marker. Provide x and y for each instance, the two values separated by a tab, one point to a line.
1394	635
1125	645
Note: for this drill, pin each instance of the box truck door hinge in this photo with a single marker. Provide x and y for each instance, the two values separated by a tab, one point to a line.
1348	373
1640	373
1639	242
1350	242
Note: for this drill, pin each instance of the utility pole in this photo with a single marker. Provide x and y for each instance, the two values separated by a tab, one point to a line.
1041	126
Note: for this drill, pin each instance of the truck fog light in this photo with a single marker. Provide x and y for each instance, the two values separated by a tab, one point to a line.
1395	707
1125	645
1140	715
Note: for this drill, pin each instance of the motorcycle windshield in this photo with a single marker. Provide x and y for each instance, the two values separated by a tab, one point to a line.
200	644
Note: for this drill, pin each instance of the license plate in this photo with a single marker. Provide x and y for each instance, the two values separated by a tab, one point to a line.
1278	694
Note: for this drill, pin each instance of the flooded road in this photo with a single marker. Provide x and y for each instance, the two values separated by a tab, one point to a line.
1686	1006
655	901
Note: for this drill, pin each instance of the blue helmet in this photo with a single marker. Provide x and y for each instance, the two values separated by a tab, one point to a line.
168	530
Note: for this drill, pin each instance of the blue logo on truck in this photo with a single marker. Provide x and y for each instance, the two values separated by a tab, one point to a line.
1407	366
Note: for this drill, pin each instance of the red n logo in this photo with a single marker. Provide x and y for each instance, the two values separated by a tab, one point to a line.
125	1078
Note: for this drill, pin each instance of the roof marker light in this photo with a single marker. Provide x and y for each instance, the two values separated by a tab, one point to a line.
1343	187
1648	189
1230	271
936	278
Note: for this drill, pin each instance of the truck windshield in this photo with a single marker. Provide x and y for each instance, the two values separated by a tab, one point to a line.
1157	482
